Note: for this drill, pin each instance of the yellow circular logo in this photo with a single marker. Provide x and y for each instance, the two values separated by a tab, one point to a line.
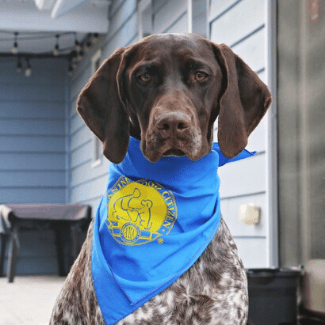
140	212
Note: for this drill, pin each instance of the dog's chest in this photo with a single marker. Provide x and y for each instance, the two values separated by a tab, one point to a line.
153	223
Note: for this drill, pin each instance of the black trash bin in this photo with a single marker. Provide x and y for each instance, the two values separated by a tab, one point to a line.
273	295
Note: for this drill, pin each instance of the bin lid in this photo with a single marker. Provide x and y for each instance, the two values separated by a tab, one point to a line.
274	272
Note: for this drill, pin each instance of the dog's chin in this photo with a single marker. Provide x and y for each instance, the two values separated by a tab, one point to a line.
174	152
154	156
193	145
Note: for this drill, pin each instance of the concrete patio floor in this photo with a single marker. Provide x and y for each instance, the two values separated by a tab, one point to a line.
29	299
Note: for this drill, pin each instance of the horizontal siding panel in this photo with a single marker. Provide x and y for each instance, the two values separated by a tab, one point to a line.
122	38
85	172
257	140
168	15
82	154
252	251
76	123
45	72
121	16
32	179
243	177
81	137
240	21
252	50
80	82
21	109
73	107
218	7
56	68
32	161
28	127
94	203
230	209
49	93
32	143
36	79
83	66
180	26
32	195
88	191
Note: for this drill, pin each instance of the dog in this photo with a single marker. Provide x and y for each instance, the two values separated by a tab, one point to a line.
167	91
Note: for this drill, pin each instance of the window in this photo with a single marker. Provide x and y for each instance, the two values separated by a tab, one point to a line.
96	143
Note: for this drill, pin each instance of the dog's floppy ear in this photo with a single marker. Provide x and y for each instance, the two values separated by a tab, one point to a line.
243	104
101	108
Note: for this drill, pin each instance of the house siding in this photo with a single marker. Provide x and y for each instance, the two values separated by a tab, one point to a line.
241	25
170	16
33	150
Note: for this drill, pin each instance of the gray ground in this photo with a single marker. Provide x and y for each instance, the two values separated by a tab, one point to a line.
29	300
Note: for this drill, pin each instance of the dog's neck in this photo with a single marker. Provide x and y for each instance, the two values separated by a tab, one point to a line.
135	131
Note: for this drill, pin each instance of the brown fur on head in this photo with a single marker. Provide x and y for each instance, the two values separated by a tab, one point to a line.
167	90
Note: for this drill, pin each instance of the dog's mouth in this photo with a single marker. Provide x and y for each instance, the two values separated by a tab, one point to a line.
155	147
174	152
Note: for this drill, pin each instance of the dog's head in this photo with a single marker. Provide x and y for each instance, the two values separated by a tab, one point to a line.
168	90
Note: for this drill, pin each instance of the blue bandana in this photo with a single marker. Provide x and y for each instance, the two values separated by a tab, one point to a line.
152	224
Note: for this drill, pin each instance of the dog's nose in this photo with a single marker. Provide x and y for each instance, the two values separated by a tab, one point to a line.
173	122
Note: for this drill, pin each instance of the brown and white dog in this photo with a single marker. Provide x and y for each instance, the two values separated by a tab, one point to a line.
167	91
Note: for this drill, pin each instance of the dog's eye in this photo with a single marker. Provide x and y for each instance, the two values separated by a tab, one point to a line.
200	76
146	77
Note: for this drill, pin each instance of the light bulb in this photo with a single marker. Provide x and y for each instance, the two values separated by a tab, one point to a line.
14	49
18	68
88	46
28	71
78	46
56	50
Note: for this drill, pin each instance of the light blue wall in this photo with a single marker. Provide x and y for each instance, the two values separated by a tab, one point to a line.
241	25
33	149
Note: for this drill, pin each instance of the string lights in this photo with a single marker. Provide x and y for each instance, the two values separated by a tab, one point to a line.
28	70
14	49
19	66
77	44
94	38
75	53
56	50
87	46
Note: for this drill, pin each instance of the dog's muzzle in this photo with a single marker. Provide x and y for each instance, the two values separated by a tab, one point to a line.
172	133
